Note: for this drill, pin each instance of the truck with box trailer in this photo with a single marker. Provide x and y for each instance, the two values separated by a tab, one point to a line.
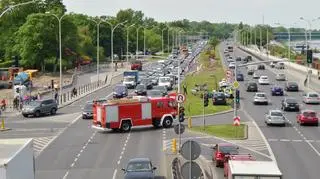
240	169
17	159
130	78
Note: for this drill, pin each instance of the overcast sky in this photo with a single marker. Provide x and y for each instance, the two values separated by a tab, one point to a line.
232	11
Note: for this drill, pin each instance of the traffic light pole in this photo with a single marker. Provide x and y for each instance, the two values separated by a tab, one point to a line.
179	143
235	91
203	114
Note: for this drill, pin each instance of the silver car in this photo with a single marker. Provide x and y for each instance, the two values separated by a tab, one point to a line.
281	77
39	107
275	117
260	98
311	98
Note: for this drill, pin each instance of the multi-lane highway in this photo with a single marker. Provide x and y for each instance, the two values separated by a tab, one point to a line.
295	147
81	152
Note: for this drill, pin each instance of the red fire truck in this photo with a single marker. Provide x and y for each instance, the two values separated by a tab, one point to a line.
122	114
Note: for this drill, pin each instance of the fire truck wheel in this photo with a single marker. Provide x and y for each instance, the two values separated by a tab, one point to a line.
156	123
126	126
167	122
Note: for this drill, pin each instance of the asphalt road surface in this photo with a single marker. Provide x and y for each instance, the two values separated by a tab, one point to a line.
295	147
80	152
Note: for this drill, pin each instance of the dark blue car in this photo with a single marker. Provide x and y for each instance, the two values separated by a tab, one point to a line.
139	168
120	91
240	77
277	91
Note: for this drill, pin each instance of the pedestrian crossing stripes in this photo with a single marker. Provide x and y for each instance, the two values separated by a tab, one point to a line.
39	143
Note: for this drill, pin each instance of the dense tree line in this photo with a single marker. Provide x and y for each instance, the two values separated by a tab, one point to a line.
31	32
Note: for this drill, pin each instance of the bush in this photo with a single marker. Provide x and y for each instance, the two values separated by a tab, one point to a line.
6	64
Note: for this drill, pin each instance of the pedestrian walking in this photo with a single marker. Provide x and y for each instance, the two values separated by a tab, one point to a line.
185	90
56	96
38	96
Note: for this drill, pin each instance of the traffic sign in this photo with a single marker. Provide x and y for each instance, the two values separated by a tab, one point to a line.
178	130
190	150
236	121
180	98
193	167
236	84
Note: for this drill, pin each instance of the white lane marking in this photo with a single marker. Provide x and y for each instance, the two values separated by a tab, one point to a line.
284	140
65	175
72	165
297	140
314	149
272	156
273	140
114	174
55	137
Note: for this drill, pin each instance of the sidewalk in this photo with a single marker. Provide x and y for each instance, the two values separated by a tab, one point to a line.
92	85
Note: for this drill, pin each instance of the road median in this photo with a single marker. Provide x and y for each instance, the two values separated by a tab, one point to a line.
208	75
225	131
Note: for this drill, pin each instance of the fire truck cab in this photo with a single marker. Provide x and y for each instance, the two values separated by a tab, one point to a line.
123	114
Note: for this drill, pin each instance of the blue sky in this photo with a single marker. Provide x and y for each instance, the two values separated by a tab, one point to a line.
232	11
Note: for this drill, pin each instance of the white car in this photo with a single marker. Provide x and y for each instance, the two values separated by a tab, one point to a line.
230	59
311	98
260	98
165	81
263	80
129	81
256	75
232	65
280	65
281	77
275	117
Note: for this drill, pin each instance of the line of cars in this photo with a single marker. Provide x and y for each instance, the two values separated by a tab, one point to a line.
277	116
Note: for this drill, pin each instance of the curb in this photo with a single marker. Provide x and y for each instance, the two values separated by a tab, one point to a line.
6	129
214	114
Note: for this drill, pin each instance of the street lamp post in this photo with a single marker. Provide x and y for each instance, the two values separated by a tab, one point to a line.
307	47
137	47
60	48
128	41
98	46
112	31
16	5
168	40
289	41
163	39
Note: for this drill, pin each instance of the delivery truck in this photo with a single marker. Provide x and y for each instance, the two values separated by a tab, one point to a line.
240	169
17	159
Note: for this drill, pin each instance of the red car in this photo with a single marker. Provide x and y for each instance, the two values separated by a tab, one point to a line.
221	150
243	157
307	117
136	65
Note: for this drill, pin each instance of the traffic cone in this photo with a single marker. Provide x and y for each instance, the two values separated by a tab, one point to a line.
3	127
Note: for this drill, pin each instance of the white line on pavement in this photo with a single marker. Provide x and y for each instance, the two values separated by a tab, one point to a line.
284	140
65	175
114	174
262	135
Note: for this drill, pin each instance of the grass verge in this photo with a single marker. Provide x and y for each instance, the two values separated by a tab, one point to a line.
211	73
227	131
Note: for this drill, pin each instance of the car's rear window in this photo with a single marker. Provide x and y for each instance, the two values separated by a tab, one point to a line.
228	149
291	101
276	114
309	114
261	95
313	95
